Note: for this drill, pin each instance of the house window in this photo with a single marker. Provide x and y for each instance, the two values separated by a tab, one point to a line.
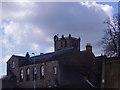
34	73
54	70
13	64
28	74
42	72
61	44
21	75
65	43
74	44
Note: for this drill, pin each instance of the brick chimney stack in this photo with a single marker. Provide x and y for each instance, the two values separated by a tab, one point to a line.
89	47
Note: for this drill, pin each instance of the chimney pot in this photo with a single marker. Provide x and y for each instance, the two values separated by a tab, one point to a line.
62	37
69	35
41	53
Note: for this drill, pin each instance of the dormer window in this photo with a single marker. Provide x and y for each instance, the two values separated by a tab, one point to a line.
13	64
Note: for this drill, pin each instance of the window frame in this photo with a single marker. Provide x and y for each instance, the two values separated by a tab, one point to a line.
42	72
54	70
35	73
61	44
65	43
28	74
21	74
13	64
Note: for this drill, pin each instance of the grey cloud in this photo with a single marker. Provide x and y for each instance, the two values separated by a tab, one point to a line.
60	18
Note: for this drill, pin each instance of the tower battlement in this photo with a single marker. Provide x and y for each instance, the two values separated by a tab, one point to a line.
66	42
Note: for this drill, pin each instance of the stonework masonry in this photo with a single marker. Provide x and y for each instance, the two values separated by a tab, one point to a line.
49	78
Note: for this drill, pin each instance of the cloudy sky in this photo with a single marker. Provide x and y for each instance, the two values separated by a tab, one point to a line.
31	26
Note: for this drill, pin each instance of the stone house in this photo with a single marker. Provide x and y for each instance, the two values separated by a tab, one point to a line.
66	67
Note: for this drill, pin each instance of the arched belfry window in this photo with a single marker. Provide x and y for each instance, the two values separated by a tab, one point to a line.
42	72
21	75
34	73
27	74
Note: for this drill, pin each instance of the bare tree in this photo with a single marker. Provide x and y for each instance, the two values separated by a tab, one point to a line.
111	39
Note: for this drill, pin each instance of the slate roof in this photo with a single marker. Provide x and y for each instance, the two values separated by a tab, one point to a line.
50	56
43	58
53	56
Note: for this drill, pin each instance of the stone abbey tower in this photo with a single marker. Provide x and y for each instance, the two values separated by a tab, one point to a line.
66	42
